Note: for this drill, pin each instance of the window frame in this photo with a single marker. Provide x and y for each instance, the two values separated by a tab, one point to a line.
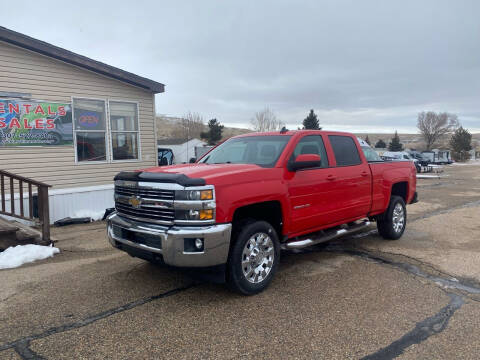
107	117
111	132
333	150
108	132
291	159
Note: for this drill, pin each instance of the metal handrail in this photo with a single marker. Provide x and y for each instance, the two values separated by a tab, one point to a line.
43	219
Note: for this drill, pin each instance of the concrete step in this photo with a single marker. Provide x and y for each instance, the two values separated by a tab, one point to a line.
13	233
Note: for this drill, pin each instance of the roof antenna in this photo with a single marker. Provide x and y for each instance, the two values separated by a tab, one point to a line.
284	130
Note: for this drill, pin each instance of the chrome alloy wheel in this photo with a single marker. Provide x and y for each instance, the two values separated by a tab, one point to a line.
257	257
398	218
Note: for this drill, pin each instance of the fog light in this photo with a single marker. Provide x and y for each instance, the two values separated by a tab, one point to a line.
193	245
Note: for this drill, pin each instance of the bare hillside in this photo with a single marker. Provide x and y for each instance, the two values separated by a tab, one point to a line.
170	127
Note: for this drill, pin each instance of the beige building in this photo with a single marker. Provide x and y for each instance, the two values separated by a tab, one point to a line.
72	122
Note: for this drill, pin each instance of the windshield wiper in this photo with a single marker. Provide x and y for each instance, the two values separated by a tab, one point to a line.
226	162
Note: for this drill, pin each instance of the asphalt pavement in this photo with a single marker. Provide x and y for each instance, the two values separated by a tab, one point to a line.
361	297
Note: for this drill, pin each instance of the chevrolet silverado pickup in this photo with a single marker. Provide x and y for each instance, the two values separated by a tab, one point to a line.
237	206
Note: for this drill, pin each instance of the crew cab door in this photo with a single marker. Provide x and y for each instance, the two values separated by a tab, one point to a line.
310	191
351	178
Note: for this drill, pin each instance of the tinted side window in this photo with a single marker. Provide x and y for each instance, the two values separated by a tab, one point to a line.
345	150
311	144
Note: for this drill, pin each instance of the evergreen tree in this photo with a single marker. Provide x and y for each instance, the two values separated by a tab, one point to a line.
367	140
214	133
311	122
380	144
461	144
395	144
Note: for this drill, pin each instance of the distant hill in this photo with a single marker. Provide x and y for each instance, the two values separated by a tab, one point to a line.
170	127
228	132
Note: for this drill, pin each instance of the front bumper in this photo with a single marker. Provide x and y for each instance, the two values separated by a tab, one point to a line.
168	242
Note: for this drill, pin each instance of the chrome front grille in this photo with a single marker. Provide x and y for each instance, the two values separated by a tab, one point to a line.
145	204
145	193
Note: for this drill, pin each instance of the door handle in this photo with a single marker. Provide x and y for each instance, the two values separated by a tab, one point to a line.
364	173
331	177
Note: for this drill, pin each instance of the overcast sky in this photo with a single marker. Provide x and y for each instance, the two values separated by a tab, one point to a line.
366	66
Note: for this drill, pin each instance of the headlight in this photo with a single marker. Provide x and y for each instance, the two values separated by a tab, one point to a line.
203	214
195	205
194	194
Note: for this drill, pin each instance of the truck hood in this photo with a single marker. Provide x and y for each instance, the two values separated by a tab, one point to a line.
212	173
204	171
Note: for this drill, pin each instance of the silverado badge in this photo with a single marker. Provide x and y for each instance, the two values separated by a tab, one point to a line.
135	201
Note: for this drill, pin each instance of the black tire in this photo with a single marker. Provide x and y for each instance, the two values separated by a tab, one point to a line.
55	137
388	227
236	278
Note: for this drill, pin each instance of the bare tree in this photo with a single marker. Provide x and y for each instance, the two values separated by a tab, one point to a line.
266	120
189	127
434	126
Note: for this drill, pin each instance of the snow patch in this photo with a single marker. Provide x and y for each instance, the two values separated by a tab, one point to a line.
469	162
16	256
422	176
94	215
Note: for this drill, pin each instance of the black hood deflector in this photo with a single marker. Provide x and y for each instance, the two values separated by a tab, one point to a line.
180	179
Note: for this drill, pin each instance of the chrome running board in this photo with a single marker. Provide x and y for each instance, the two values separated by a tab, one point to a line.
325	235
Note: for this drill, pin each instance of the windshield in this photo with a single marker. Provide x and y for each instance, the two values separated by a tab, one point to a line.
370	154
259	150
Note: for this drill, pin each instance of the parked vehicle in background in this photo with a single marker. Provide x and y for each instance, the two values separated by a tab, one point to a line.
165	157
183	149
235	208
401	156
436	156
422	159
370	154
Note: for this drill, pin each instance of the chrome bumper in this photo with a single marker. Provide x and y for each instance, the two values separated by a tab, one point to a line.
170	246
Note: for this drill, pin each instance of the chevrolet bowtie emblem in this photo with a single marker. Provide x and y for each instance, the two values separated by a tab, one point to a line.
135	201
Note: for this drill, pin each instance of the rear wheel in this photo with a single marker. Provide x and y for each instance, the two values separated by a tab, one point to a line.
392	223
254	258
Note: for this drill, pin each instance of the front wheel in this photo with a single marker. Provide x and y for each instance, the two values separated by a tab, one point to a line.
392	223
254	258
55	138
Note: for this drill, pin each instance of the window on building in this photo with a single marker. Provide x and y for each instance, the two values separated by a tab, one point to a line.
90	129
345	150
124	130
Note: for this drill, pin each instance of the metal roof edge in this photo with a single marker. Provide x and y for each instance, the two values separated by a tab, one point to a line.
44	48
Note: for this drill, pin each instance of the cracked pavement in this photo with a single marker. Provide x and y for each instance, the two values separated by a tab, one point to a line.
360	297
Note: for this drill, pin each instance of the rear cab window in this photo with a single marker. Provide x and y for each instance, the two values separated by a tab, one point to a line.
345	150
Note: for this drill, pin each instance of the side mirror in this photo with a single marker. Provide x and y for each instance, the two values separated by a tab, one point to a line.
305	161
192	160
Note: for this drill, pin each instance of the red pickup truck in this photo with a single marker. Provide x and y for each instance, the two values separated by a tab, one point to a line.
255	194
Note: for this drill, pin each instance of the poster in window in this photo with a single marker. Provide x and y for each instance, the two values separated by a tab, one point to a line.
35	123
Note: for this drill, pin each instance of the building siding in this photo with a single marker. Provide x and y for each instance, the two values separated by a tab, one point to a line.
52	80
